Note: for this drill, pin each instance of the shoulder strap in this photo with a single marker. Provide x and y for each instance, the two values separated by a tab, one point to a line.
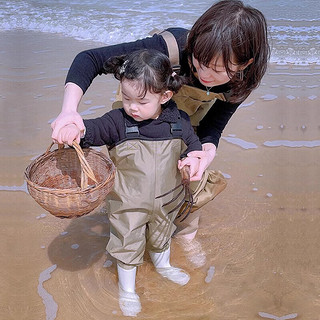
132	132
172	46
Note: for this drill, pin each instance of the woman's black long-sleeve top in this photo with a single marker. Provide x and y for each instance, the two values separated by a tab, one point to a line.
88	64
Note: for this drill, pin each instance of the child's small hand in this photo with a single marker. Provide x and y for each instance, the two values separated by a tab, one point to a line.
206	157
69	133
65	118
193	163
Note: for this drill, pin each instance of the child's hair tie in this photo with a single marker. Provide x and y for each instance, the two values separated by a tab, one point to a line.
173	74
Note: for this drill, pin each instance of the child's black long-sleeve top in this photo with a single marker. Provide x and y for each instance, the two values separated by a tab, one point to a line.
110	129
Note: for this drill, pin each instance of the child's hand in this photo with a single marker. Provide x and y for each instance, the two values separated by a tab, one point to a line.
206	156
193	163
69	133
63	120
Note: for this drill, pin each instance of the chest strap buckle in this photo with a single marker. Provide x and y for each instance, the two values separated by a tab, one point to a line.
176	129
132	131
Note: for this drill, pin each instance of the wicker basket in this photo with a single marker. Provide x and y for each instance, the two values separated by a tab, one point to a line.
64	184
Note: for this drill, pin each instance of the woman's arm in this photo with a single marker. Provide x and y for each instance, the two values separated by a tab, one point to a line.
209	132
68	114
89	64
84	68
214	122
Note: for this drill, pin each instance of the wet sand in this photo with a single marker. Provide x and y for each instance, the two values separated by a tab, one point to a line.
259	237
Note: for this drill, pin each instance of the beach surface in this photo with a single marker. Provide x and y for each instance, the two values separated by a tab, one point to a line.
258	240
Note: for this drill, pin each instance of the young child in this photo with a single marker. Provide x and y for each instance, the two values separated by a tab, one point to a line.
148	140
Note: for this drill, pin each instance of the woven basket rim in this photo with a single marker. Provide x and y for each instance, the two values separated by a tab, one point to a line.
44	156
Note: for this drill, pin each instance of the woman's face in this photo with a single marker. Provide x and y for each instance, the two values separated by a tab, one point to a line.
215	74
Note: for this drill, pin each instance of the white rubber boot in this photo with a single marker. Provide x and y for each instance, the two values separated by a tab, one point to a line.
129	301
161	261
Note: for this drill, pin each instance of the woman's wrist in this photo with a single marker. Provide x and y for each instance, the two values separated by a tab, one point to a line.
72	96
210	150
209	147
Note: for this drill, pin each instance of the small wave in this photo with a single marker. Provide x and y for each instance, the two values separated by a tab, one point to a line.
271	316
269	97
241	143
246	104
23	188
91	110
210	274
292	144
294	38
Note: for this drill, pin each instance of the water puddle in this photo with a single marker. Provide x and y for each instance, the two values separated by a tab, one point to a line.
23	188
241	143
47	299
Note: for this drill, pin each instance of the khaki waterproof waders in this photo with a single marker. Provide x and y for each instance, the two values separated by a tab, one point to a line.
145	170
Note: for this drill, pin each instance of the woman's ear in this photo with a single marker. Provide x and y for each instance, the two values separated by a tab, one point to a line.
166	96
247	64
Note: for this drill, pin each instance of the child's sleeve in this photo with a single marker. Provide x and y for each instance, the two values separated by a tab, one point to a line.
188	135
104	130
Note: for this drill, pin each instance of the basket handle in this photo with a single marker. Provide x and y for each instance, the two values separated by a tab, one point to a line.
60	146
86	170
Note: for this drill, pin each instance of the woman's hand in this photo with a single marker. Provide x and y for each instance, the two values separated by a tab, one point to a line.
206	156
69	133
69	115
192	162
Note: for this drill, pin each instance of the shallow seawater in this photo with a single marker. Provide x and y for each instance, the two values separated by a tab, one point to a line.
293	25
256	255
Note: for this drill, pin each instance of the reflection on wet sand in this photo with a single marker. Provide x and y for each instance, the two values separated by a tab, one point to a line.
48	301
258	241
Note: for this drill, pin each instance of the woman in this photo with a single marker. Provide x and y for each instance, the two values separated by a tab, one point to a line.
224	57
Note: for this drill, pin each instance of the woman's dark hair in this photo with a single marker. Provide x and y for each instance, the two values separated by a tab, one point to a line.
151	68
237	33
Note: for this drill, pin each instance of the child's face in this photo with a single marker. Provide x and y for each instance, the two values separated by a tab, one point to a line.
137	107
215	74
